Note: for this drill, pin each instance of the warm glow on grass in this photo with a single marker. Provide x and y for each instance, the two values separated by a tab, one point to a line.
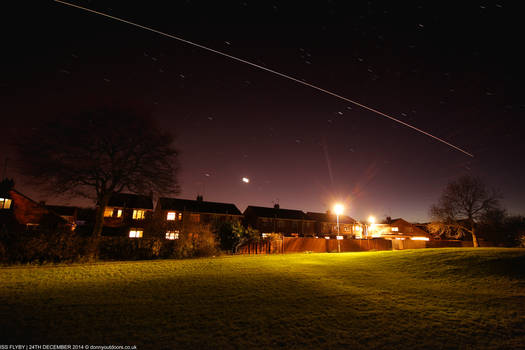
289	301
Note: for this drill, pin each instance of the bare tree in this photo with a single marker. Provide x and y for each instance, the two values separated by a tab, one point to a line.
95	154
461	207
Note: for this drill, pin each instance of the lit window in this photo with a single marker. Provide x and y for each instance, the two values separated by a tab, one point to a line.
172	235
119	213
136	233
171	215
395	229
180	216
5	203
108	212
138	214
339	237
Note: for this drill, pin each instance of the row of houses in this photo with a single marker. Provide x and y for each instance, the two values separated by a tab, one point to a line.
136	216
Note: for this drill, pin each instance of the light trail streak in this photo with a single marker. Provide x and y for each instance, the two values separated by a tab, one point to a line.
270	71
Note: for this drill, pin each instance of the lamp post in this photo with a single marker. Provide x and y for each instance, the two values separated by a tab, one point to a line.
371	221
338	210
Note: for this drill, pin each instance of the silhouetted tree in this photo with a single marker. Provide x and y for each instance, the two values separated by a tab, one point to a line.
461	207
95	154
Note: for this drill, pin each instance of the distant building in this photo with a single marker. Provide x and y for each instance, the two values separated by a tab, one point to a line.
288	222
397	229
68	213
19	212
326	225
185	215
127	214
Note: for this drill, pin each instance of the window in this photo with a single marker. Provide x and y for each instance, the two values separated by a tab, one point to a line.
180	216
171	216
172	235
395	229
195	218
108	212
138	214
5	203
119	213
136	233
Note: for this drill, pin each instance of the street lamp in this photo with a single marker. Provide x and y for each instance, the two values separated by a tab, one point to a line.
338	210
371	221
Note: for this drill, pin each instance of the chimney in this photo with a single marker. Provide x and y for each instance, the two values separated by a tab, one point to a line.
199	198
276	206
388	220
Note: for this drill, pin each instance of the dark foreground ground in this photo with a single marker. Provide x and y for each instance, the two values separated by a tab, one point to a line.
418	299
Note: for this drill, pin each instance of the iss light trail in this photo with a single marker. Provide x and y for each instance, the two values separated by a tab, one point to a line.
270	71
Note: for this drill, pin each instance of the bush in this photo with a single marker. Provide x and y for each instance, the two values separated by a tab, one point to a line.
41	246
201	242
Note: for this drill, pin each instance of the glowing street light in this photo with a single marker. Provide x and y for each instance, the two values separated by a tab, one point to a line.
371	221
338	210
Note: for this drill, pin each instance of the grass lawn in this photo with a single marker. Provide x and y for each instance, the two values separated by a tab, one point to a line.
415	299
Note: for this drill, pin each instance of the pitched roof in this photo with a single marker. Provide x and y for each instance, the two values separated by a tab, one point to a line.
278	213
325	217
129	200
198	206
416	229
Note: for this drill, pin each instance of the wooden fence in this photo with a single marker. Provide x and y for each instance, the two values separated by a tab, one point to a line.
322	245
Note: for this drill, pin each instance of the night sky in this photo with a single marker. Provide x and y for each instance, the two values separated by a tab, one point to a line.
452	69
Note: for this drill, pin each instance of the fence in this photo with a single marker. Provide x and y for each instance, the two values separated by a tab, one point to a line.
322	245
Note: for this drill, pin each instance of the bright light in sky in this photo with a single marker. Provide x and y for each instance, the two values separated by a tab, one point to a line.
371	220
245	180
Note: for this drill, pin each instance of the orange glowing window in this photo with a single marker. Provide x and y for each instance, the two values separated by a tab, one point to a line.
5	203
138	214
108	212
171	235
136	233
119	213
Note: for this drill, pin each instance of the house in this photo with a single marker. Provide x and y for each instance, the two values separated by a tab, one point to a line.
184	215
289	222
19	212
397	229
326	225
68	213
127	214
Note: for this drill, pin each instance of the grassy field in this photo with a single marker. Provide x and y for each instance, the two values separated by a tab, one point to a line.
416	299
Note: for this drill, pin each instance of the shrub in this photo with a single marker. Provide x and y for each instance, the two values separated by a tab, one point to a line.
42	246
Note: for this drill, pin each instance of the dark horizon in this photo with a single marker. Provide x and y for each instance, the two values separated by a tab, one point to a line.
452	71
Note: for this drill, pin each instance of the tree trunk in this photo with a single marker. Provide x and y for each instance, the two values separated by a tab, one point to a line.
475	242
99	224
99	219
